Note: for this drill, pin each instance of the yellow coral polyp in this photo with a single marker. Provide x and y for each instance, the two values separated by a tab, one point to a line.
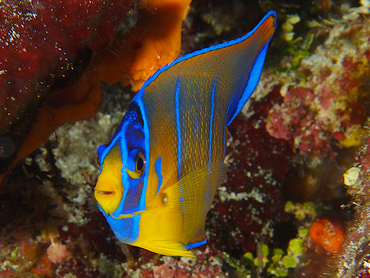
353	136
288	26
108	193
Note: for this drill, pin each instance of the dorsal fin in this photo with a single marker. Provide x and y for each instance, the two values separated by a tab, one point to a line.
232	69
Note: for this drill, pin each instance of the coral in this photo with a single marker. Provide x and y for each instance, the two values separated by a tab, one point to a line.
321	114
57	253
203	266
65	34
289	25
42	45
320	111
249	204
296	138
353	261
301	211
274	262
52	97
153	42
328	234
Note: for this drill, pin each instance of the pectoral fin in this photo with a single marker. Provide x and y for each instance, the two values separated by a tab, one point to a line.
193	196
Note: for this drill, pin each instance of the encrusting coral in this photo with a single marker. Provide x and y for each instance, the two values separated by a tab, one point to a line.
45	46
72	92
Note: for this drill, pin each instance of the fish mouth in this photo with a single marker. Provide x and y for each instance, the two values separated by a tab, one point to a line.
108	193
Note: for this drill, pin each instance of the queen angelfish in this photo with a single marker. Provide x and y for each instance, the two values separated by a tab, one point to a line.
160	172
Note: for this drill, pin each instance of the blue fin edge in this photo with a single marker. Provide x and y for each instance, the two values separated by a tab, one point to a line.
195	244
254	77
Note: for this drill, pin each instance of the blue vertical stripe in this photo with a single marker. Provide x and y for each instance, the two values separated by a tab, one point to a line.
158	170
140	104
211	120
211	135
178	127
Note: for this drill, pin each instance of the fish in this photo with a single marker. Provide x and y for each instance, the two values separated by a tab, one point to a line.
160	172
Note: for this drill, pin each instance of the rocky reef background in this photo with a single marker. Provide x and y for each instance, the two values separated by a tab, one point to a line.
296	199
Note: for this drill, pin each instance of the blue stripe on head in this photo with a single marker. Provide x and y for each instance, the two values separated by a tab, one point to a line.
126	229
131	133
133	138
178	126
101	149
139	102
100	152
138	99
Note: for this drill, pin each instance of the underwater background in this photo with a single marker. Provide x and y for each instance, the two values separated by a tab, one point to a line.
295	202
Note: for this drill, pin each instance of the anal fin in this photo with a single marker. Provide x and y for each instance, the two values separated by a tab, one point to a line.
169	248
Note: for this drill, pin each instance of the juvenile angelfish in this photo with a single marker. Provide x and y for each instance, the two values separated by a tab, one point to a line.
160	171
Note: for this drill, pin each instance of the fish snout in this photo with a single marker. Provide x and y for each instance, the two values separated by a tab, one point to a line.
108	193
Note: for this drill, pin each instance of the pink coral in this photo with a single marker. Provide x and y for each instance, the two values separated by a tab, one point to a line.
319	111
57	252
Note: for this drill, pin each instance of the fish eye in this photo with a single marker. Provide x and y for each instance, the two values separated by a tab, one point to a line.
135	164
139	162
